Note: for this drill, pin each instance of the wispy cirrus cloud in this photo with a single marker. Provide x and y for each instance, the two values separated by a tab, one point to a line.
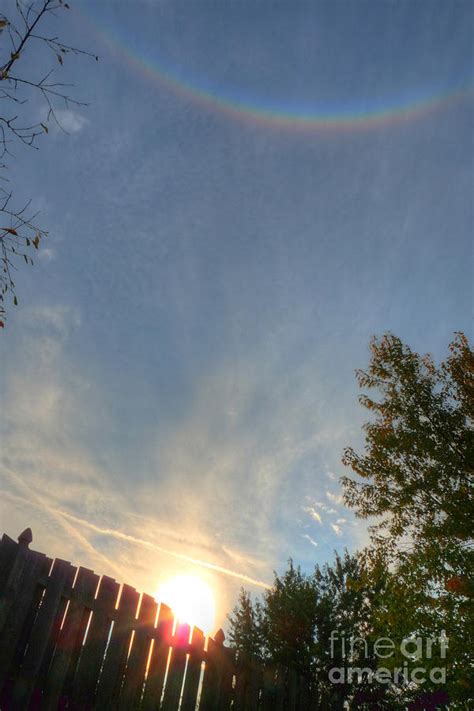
71	121
308	538
335	498
181	505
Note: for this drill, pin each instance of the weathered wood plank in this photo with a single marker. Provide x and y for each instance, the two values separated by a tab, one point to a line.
217	681
110	682
174	680
193	671
269	687
136	665
70	637
18	605
305	701
273	687
255	683
242	673
292	690
58	583
159	659
8	553
81	687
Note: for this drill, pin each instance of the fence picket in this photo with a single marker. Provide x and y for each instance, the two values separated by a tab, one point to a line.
59	582
174	680
193	671
70	637
8	553
110	683
21	597
159	659
217	682
136	665
82	686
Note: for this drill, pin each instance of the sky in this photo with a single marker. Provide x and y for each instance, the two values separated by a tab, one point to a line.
253	191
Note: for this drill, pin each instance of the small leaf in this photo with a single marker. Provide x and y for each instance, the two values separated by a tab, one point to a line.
2	325
15	301
60	59
10	230
15	55
45	128
25	258
3	23
28	242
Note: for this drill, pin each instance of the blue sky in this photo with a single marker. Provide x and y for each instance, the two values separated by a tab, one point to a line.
180	369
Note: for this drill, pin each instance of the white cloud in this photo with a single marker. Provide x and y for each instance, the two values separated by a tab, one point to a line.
337	529
311	540
335	498
71	121
46	254
313	513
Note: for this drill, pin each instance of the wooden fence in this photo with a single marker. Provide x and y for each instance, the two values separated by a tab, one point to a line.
70	639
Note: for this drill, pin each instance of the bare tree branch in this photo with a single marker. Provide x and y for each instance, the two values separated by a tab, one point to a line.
19	232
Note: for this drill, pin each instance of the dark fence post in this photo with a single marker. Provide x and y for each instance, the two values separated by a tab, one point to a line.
136	665
80	684
159	660
193	671
110	683
70	638
174	679
22	590
218	673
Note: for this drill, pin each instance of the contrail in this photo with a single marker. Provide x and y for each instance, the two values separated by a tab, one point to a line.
114	533
82	540
120	535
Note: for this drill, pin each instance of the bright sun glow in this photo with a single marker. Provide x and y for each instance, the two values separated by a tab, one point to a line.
191	600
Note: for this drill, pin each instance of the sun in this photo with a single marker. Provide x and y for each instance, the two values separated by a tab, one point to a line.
191	600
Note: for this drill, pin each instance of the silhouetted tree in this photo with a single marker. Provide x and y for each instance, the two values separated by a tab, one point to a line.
246	626
302	621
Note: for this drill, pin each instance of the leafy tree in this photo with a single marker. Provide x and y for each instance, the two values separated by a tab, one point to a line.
417	473
21	30
416	580
418	463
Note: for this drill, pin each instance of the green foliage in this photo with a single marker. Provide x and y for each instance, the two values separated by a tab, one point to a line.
294	623
417	472
289	619
416	580
245	626
419	454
